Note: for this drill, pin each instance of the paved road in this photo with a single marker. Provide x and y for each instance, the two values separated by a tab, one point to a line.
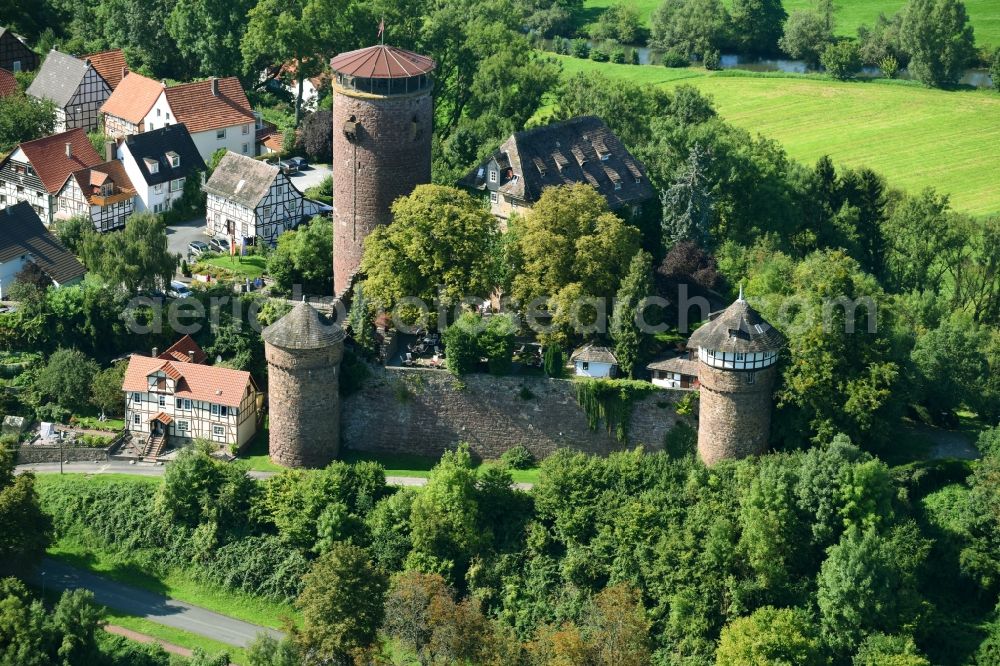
179	235
152	469
311	176
150	605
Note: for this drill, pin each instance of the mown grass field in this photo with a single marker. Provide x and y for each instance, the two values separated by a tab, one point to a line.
984	14
917	137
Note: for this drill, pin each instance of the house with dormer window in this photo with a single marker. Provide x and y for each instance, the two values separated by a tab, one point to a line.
103	193
169	402
158	162
579	150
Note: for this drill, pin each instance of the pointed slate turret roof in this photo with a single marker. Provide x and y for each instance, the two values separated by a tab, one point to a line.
739	329
303	328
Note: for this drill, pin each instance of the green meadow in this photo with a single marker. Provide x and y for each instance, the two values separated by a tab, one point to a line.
984	14
917	137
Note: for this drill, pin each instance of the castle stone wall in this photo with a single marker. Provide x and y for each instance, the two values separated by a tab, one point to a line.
426	412
390	156
734	416
304	405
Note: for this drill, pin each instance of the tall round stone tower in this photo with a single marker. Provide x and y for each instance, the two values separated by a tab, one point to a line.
382	124
303	351
737	356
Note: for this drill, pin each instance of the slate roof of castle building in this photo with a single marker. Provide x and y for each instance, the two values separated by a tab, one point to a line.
8	84
48	156
110	65
133	97
579	150
242	179
58	79
382	62
196	106
593	353
22	232
155	144
739	329
303	328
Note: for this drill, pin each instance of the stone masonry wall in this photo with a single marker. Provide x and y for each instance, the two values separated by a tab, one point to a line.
390	155
426	412
303	404
734	417
32	453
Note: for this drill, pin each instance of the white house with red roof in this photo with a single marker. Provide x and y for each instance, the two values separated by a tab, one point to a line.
170	402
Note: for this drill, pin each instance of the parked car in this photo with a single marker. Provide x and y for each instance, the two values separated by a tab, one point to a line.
300	163
288	167
178	289
220	245
197	248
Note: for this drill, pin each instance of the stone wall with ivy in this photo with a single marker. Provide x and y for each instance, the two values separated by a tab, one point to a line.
420	411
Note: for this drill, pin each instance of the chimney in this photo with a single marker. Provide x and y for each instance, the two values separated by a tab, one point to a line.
215	87
109	151
163	82
156	352
191	355
69	150
124	72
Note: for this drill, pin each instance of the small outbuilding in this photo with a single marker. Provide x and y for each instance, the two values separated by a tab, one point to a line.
676	372
592	360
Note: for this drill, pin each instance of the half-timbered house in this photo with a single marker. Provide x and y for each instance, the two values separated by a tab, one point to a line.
136	106
75	87
102	193
251	199
158	162
111	65
37	170
170	403
15	56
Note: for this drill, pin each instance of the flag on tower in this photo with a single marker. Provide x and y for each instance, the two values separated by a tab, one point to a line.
381	28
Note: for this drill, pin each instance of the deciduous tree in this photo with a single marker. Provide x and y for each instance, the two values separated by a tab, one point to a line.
939	38
771	636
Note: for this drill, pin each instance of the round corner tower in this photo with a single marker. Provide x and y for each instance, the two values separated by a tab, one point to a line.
303	351
383	118
737	367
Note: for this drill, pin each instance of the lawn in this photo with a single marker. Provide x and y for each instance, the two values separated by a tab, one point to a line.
984	14
916	136
251	266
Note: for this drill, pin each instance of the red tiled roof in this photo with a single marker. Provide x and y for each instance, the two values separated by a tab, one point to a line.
109	64
221	386
194	105
48	157
133	98
382	62
91	179
185	350
8	84
162	417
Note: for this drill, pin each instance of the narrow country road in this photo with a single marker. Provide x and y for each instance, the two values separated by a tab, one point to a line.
150	605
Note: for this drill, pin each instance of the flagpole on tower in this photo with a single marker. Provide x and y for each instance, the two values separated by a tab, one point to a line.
381	31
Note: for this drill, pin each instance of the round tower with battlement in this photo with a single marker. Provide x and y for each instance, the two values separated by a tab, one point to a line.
303	351
737	367
383	118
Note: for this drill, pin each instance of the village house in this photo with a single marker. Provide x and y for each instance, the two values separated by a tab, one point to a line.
15	56
37	170
580	150
76	89
251	199
172	402
185	350
103	193
676	372
158	162
137	105
110	65
593	360
283	77
23	240
8	84
216	112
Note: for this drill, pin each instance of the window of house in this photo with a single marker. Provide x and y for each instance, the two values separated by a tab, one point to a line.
182	426
586	365
739	356
223	411
215	410
605	157
20	189
187	404
638	180
493	175
751	378
135	419
163	401
175	161
29	169
168	115
180	403
235	411
3	198
246	129
158	188
246	148
17	66
220	134
218	430
265	212
158	208
107	189
136	397
177	185
158	112
618	185
494	197
154	167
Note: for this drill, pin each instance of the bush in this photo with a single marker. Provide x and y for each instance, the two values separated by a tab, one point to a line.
635	56
713	61
618	55
989	442
553	361
581	49
842	60
598	54
518	457
675	59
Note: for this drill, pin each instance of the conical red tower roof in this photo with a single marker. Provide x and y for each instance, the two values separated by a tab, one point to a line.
382	62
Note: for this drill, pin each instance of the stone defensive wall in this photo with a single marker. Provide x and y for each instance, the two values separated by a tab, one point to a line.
426	412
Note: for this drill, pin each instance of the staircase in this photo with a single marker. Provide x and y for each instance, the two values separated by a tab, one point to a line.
154	447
